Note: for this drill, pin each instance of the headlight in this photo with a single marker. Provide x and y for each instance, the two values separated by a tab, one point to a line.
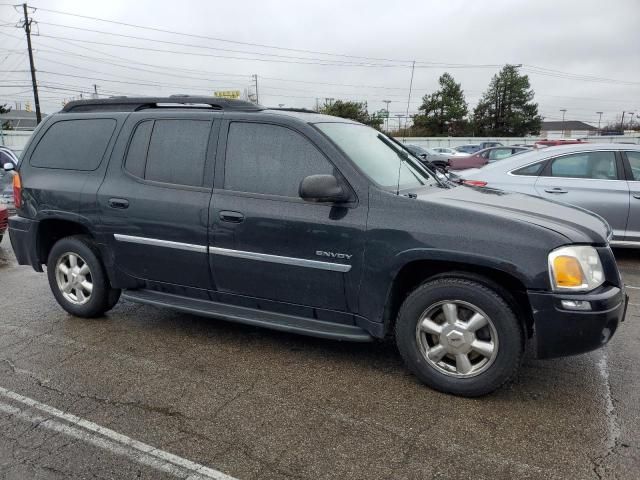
575	268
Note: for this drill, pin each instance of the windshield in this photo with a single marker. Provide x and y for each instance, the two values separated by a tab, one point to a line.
374	154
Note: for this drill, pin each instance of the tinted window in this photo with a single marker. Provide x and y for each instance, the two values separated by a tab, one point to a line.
137	153
177	151
595	165
634	162
270	159
531	170
74	144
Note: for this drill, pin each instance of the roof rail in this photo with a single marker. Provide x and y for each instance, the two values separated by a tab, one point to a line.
300	110
133	104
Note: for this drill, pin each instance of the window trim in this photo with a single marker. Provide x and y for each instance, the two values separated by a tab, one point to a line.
628	172
220	173
43	134
619	171
510	172
155	183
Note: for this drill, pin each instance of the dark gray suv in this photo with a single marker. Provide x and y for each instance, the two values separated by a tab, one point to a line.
311	224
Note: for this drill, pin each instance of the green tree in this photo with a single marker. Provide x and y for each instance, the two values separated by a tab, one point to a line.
352	110
4	109
444	111
506	107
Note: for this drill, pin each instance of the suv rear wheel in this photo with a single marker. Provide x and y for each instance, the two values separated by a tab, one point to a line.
459	336
77	278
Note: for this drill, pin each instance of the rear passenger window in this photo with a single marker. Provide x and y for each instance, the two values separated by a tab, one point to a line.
530	170
634	163
74	144
169	151
593	165
270	159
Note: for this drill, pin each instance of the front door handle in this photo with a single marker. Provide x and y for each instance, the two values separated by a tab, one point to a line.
636	195
556	190
121	203
231	217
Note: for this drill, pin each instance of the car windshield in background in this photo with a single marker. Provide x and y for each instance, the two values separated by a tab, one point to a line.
372	152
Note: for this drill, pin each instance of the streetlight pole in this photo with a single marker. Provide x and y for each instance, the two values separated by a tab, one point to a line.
630	121
599	119
563	110
387	119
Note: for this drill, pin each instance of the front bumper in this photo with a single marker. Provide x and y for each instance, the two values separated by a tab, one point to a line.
23	234
559	332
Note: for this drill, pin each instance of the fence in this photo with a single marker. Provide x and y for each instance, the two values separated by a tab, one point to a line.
16	140
457	141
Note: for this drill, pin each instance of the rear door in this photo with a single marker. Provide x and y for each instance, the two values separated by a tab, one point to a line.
591	179
268	243
632	166
154	200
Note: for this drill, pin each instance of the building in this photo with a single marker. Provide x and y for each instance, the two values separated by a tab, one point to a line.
19	119
567	129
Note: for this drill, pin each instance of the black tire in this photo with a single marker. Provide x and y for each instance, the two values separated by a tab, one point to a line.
503	365
102	297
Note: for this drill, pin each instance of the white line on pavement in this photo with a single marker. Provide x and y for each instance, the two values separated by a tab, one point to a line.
108	439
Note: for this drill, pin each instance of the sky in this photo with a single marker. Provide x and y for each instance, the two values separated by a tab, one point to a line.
580	56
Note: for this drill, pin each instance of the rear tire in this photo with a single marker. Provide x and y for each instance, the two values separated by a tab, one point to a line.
77	278
459	336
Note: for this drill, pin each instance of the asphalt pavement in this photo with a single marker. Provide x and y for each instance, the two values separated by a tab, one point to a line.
150	393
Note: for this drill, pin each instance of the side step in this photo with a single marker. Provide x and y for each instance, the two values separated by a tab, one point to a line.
250	316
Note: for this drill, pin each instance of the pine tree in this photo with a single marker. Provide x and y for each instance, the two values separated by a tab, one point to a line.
444	111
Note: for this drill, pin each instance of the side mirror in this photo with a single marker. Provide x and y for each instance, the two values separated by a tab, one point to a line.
322	188
7	167
423	155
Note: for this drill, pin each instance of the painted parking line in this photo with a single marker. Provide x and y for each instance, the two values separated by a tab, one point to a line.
105	438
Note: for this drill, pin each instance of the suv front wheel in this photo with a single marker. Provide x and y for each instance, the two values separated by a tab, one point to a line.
77	278
459	336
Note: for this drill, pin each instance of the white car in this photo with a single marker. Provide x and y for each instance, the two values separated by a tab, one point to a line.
449	151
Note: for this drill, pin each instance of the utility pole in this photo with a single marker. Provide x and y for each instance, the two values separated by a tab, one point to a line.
399	115
630	121
622	122
387	119
95	91
255	79
27	29
599	119
563	110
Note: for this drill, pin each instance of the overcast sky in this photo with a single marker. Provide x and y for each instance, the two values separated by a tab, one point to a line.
362	50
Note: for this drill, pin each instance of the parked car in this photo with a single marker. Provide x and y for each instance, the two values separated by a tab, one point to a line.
476	147
4	221
481	158
7	155
6	191
555	143
449	152
309	224
428	155
603	178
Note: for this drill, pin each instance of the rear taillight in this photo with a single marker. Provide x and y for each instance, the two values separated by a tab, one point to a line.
17	190
475	183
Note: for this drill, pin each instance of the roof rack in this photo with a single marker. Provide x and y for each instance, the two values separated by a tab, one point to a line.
133	104
300	110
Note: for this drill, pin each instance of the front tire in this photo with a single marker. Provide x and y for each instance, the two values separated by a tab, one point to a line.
78	279
459	336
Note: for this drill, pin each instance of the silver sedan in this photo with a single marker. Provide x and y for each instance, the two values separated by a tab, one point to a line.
603	178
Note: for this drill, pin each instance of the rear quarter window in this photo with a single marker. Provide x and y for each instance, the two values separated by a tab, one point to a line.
530	170
74	144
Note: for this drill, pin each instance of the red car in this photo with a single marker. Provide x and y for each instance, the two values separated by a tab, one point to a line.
553	143
481	158
4	220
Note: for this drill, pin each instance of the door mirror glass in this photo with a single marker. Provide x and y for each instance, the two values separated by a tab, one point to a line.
322	188
8	166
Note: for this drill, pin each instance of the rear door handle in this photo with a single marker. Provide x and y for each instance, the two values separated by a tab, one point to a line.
231	217
556	190
121	203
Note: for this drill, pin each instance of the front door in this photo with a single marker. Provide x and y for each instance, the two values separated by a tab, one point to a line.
591	180
633	179
266	241
154	201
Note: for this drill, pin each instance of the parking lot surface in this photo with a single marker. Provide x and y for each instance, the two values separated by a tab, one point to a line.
151	393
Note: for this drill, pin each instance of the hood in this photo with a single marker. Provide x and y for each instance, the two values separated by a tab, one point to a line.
574	223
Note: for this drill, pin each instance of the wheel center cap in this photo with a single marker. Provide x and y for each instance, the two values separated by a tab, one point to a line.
456	340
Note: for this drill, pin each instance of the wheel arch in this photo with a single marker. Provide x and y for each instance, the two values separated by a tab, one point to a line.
507	282
50	230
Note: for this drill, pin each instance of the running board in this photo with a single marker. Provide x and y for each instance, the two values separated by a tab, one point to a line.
250	316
